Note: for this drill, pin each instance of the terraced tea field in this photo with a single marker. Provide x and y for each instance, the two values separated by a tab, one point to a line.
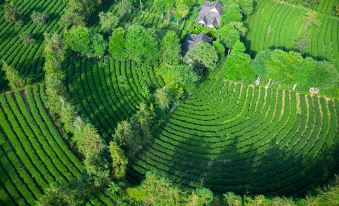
33	150
27	58
109	91
278	25
234	137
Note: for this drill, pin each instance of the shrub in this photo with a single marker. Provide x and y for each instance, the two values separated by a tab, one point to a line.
39	18
12	75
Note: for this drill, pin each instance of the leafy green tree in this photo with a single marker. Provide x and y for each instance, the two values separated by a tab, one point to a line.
81	39
39	18
284	67
99	45
259	63
204	54
12	75
54	53
108	21
142	45
113	187
92	147
77	12
117	44
220	48
232	199
56	195
238	66
144	117
182	75
11	13
163	6
124	8
247	6
242	29
232	13
67	115
156	190
27	38
228	35
201	197
119	160
257	200
170	48
162	99
123	133
323	75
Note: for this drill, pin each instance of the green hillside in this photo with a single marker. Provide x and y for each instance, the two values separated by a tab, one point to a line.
235	137
169	103
279	25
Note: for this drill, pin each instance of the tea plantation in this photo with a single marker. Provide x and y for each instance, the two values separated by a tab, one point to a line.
169	102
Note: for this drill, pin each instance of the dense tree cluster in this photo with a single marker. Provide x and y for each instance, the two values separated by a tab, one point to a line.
77	12
159	190
133	134
290	68
136	43
238	65
110	20
204	54
81	39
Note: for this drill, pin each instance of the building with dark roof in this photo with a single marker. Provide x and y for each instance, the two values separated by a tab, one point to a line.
192	39
210	14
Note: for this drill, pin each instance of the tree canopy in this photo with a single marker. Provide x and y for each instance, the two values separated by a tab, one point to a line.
81	39
204	54
142	45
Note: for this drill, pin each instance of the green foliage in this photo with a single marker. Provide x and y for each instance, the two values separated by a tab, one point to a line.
162	99
124	8
117	44
204	54
228	35
179	74
11	13
201	197
232	13
232	199
57	195
142	45
170	48
123	133
247	6
163	5
77	12
81	39
39	18
108	21
119	160
12	75
92	147
54	53
113	187
290	68
27	38
238	66
220	48
156	190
